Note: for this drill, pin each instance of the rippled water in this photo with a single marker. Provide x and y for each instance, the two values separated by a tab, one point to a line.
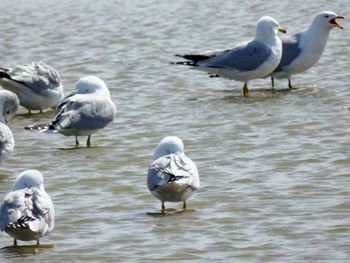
274	168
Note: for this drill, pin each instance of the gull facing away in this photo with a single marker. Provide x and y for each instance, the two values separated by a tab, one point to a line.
302	50
37	85
27	212
172	176
85	111
246	61
9	104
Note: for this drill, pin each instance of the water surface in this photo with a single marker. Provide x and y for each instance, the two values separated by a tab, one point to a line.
274	168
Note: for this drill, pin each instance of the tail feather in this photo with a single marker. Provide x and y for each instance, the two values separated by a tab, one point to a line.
22	223
193	59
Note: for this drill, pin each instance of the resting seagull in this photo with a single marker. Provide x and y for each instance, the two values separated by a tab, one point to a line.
172	176
249	60
9	104
85	111
37	85
303	50
27	212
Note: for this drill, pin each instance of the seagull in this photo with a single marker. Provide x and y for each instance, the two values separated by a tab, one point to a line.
302	50
9	104
27	212
172	176
37	85
83	112
249	60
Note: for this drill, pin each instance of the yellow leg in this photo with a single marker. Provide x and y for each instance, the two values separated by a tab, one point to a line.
245	90
88	142
163	207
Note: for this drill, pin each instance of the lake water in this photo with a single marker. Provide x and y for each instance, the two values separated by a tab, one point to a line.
274	167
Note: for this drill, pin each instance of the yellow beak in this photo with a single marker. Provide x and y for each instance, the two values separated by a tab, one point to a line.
335	23
282	30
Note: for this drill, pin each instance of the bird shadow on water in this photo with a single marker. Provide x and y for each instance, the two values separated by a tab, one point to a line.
170	212
256	94
77	148
28	250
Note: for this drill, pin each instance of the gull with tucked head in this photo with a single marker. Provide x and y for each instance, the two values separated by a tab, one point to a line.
37	85
246	61
302	50
172	176
27	212
83	112
9	104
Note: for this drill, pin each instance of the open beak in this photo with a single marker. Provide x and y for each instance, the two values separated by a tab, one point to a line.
335	23
282	30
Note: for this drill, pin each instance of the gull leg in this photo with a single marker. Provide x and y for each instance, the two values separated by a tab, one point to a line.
163	207
245	90
76	141
290	84
15	242
184	205
37	242
88	142
272	82
29	111
41	110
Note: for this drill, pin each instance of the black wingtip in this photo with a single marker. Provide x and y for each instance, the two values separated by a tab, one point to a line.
4	74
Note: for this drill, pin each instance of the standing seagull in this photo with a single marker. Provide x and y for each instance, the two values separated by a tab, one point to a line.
37	85
303	50
85	111
249	60
27	212
172	176
9	104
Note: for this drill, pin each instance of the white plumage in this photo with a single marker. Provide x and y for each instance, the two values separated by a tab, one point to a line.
246	61
9	104
302	50
27	212
85	111
172	176
37	85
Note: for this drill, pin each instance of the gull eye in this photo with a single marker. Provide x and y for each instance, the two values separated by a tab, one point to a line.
326	16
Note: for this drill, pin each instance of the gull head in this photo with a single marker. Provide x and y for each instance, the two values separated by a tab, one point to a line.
169	145
267	28
9	104
327	20
90	84
28	179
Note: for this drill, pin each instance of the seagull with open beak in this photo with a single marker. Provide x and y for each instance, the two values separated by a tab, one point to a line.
302	50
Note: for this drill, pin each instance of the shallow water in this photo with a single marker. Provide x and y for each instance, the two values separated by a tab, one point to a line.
274	168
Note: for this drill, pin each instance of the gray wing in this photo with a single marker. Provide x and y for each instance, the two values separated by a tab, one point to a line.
83	111
26	207
245	57
170	168
290	51
37	76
